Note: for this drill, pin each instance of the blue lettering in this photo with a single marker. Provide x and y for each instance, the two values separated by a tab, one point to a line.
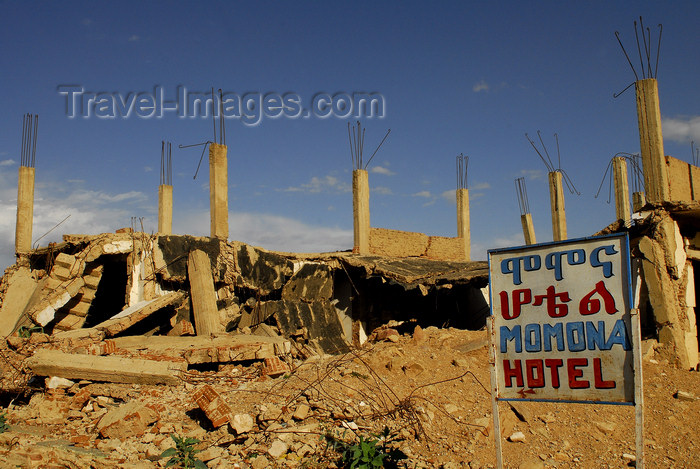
576	342
619	336
553	261
581	257
596	337
533	338
606	265
507	267
507	335
553	331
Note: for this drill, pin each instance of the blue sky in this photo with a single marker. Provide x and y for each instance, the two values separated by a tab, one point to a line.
457	77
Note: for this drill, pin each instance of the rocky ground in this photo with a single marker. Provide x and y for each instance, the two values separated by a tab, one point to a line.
428	387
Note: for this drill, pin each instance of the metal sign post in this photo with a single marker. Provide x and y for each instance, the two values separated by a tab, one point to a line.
563	327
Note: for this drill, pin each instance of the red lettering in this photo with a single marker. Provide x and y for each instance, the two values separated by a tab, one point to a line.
530	367
572	365
553	309
588	305
553	364
510	373
520	297
600	383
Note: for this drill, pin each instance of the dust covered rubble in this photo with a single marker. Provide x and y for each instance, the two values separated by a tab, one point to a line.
114	323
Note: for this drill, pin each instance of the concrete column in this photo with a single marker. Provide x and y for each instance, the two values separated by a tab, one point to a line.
463	224
218	190
556	198
651	141
360	211
528	229
622	190
638	201
165	209
25	210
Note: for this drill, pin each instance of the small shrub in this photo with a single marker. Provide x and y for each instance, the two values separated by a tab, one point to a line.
369	452
183	454
3	422
365	454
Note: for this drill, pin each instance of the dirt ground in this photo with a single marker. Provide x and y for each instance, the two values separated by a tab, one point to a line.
430	388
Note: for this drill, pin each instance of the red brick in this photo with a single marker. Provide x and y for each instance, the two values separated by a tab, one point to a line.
275	367
213	405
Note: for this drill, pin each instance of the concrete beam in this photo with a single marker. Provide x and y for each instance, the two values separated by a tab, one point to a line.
218	190
556	198
203	294
528	229
651	141
622	190
639	200
165	209
25	210
360	211
463	221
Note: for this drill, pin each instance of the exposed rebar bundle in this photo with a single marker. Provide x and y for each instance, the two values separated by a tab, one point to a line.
644	51
462	171
30	126
637	175
356	137
521	192
549	164
166	163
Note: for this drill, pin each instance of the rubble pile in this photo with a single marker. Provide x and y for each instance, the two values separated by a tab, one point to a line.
115	342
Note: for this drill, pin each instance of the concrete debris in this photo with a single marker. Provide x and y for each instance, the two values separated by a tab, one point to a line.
242	423
108	368
213	405
127	420
684	396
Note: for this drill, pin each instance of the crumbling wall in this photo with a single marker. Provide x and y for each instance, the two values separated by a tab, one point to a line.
670	288
396	243
684	180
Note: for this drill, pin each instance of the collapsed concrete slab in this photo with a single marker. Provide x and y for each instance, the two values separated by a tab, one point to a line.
19	286
105	368
318	319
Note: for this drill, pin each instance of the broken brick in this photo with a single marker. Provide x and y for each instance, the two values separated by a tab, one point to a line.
275	367
213	405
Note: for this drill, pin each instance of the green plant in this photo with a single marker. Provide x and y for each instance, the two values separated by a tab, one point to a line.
3	422
369	452
365	454
183	454
26	332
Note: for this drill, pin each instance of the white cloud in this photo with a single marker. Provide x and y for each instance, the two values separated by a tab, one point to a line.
382	170
134	38
91	212
272	232
425	194
381	190
321	184
479	248
450	196
532	173
480	186
9	162
147	169
481	86
681	129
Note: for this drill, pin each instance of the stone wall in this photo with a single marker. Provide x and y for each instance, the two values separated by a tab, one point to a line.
396	243
669	277
684	180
